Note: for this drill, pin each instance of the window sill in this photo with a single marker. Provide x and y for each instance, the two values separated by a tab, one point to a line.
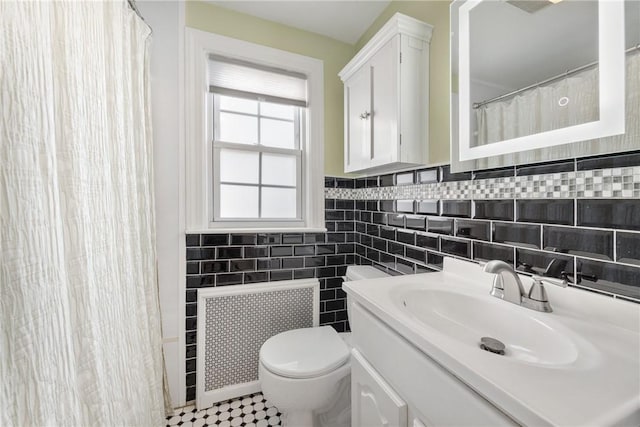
256	230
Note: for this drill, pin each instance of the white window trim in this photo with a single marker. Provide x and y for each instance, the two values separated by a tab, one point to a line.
198	158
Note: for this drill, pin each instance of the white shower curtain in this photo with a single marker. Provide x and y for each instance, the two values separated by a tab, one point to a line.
80	343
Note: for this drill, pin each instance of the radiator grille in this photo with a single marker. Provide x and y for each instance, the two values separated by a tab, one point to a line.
236	326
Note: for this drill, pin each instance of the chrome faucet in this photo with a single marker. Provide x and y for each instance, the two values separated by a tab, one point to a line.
508	286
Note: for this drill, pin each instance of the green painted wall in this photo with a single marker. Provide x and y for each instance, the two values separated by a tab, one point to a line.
436	13
335	54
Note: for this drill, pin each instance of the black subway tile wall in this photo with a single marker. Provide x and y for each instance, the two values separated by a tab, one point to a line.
494	209
427	176
611	213
484	252
430	207
405	178
446	175
545	211
558	219
387	180
546	168
458	208
440	225
610	161
544	263
579	241
480	230
524	235
405	206
461	248
628	248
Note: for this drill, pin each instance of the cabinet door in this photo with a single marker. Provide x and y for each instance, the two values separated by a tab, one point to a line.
373	401
357	153
385	95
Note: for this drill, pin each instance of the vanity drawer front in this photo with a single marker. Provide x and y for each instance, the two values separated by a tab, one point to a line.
440	398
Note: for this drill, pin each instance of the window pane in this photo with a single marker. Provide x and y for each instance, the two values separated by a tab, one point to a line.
277	133
238	104
277	110
279	169
238	128
238	201
279	202
239	166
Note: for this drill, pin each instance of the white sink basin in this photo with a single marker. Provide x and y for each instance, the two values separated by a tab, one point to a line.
579	365
468	318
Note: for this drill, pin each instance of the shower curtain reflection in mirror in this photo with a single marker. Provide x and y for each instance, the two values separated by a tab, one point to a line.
569	101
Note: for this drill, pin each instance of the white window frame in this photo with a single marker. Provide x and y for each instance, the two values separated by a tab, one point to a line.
199	174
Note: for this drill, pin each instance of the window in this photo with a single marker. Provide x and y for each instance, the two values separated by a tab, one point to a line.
258	141
254	147
257	159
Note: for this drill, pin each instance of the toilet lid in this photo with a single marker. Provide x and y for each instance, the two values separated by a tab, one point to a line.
304	353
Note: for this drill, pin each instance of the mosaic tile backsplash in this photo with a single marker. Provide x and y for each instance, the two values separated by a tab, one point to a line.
576	218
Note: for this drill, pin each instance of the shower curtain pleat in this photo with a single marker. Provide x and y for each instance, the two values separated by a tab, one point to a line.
80	341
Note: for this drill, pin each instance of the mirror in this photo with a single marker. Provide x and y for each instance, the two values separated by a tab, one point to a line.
542	80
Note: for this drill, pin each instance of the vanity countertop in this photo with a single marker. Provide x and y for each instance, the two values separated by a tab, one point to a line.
589	371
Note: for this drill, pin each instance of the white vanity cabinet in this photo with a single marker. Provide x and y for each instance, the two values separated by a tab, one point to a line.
416	347
395	384
386	99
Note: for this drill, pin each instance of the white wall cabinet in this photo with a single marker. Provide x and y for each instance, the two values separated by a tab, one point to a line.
386	99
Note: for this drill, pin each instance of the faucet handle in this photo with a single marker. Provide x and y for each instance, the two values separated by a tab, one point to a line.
550	280
537	298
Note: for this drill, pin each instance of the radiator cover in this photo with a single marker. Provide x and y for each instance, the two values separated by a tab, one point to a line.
234	322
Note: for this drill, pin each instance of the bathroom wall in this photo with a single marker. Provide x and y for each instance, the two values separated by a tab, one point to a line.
335	54
233	259
516	214
575	216
167	20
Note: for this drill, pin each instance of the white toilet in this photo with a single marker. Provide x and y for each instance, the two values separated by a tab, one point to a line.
305	372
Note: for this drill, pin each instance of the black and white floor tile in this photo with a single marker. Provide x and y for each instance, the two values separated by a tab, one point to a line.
246	411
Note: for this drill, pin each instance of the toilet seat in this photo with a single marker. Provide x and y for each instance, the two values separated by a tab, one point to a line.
304	353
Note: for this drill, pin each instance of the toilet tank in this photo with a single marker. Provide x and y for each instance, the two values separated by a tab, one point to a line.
361	272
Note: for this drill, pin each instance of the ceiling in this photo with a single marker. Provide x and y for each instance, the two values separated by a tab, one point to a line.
341	20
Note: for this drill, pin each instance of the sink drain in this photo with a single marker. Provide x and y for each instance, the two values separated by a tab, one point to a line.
492	345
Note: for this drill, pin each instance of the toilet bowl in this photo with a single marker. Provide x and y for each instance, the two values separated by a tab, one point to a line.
301	372
306	373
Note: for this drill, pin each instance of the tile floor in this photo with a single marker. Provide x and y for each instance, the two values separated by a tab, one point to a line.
246	411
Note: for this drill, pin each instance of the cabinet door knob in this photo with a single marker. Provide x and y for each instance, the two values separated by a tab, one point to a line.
365	115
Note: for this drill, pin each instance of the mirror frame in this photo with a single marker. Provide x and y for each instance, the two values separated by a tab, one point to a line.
611	57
